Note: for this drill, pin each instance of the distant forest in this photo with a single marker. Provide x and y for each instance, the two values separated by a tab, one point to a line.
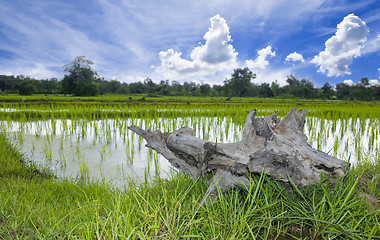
238	86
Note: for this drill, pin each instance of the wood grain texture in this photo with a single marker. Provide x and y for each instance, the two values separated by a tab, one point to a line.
276	147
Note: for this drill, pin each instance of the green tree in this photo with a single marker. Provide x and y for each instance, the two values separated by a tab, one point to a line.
9	83
265	90
299	88
343	91
114	86
364	82
123	89
276	89
137	87
26	87
150	85
327	91
205	89
81	80
240	82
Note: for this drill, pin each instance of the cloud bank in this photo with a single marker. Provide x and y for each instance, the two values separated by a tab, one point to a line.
343	47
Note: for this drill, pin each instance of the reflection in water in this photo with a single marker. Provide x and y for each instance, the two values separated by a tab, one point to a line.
106	150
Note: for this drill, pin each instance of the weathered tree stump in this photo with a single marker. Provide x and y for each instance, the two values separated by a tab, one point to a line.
276	147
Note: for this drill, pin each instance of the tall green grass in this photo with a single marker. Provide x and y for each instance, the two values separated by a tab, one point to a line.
35	205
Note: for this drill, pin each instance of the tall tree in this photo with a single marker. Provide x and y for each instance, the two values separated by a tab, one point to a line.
364	81
81	80
327	91
240	81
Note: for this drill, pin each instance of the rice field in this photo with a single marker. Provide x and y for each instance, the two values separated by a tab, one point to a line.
91	140
130	192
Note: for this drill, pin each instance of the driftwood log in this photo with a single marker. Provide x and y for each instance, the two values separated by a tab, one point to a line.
276	147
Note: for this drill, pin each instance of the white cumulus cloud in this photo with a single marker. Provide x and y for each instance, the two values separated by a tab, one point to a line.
261	62
373	82
294	57
216	50
264	73
348	82
216	55
343	47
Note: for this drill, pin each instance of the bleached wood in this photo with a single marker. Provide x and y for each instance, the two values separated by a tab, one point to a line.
276	147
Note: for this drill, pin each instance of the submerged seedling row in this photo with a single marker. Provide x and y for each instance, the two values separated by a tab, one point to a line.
100	148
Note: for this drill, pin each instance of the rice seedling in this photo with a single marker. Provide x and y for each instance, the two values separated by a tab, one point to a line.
130	152
53	125
47	149
62	159
77	149
83	167
157	168
102	152
140	139
20	137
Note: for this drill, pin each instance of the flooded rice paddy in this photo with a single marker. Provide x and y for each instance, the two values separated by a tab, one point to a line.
105	150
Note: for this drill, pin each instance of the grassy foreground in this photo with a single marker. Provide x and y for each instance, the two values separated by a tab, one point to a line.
36	205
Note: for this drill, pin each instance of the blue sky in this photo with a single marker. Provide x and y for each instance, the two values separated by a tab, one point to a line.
200	41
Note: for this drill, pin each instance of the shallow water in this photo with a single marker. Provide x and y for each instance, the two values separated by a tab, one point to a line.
105	150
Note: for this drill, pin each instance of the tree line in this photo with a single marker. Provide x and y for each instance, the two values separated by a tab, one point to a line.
82	80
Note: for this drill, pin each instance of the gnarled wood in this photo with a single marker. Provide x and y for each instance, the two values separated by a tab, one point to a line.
276	147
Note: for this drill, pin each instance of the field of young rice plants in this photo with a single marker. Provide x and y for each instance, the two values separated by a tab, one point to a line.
92	140
88	139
